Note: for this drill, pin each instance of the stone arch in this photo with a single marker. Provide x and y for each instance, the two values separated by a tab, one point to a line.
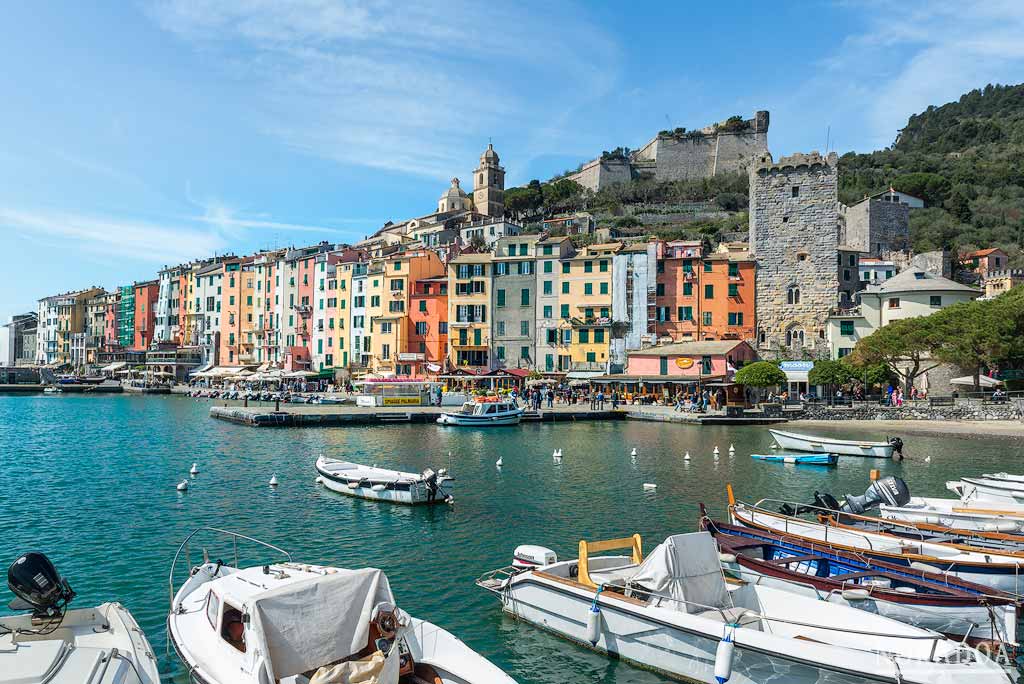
794	336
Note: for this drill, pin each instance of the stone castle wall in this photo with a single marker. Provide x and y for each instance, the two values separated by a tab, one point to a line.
878	227
795	240
601	173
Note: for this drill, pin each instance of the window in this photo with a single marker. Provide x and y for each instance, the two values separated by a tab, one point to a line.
478	270
707	318
549	362
501	329
423	305
794	191
442	328
212	609
385	327
851	260
603	288
709	292
547	251
846	274
888	274
663	365
894	302
547	287
501	353
398	265
705	365
663	314
385	351
547	312
524	352
500	294
397	284
599	335
548	266
935	301
588	266
524	297
844	351
462	271
477	336
588	288
591	357
501	268
421	327
374	300
525	268
463	337
707	266
564	311
685	313
565	287
552	336
565	266
687	266
793	295
846	328
604	312
660	290
687	289
603	264
584	336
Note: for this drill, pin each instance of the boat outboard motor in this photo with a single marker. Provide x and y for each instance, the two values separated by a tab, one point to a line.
892	491
38	586
897	446
430	479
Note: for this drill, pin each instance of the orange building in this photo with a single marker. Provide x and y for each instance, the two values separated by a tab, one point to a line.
427	346
145	313
702	296
236	318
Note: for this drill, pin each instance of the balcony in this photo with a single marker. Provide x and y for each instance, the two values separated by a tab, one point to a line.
302	309
591	366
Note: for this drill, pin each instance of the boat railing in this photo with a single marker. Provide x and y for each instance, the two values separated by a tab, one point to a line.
234	536
759	507
494	580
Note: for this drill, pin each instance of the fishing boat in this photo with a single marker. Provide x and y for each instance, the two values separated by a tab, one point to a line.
295	623
958	514
799	459
51	644
1000	570
986	617
484	412
843	447
381	484
983	489
931	532
673	612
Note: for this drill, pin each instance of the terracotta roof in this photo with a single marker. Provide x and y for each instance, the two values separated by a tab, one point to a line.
984	252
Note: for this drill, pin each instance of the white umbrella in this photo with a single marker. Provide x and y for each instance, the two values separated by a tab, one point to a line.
301	374
983	381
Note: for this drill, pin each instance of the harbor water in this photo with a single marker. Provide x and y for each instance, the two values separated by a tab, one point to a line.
90	481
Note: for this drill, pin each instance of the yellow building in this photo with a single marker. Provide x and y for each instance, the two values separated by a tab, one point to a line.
344	273
390	281
469	298
71	322
585	305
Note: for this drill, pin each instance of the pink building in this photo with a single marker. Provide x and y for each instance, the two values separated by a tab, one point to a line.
711	360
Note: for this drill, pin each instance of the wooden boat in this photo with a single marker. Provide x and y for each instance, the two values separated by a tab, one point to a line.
958	514
484	412
99	645
673	612
930	532
291	623
843	447
381	484
799	459
931	600
1002	570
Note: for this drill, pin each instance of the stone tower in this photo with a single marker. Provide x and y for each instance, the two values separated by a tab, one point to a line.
489	185
794	236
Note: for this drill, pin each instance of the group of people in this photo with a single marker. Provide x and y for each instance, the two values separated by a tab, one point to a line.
548	396
699	401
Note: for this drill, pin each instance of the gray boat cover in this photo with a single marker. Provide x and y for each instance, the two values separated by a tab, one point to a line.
307	624
684	567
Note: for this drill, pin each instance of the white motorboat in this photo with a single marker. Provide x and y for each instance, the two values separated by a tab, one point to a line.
381	484
484	412
999	570
985	490
973	515
674	613
845	447
53	645
293	623
52	390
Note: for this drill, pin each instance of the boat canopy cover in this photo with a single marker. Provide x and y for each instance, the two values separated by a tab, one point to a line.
685	567
310	623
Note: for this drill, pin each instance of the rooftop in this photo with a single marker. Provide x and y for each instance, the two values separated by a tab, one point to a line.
705	348
919	280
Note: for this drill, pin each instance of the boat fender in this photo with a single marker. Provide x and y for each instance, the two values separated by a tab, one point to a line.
594	619
724	655
727	557
856	594
378	488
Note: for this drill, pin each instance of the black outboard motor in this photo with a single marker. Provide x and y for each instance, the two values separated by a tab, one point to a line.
430	479
38	586
897	446
891	491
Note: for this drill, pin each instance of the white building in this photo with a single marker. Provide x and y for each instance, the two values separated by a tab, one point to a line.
909	294
206	331
46	331
489	230
875	271
166	327
634	283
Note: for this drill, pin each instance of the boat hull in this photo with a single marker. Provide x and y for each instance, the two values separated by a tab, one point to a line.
798	459
957	514
991	491
455	419
799	442
411	495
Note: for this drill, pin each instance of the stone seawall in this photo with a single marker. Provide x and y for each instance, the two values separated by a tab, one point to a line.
962	411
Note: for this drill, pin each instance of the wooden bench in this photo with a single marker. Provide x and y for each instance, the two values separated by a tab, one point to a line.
941	401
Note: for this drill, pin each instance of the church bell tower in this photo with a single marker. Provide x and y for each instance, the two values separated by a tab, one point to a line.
489	185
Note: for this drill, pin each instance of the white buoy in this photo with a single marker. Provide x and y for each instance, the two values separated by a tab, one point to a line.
650	486
183	486
732	449
194	470
633	452
724	656
928	459
273	480
499	462
686	456
557	455
715	450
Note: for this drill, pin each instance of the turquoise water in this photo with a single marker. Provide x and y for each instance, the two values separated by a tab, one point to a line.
91	482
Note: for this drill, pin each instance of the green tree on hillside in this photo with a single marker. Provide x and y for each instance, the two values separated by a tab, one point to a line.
904	346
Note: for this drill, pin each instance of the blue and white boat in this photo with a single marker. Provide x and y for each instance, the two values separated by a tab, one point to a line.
799	459
484	412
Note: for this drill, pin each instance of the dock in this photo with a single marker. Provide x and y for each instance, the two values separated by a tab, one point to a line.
312	415
667	415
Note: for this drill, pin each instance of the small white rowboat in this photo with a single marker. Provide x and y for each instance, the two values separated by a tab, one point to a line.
844	447
381	484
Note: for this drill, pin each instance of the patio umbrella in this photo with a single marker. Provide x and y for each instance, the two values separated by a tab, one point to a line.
983	381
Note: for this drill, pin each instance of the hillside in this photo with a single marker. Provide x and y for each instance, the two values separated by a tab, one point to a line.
966	159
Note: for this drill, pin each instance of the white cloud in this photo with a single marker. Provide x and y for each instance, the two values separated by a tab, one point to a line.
410	87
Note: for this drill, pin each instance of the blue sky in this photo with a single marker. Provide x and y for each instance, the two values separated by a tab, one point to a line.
138	134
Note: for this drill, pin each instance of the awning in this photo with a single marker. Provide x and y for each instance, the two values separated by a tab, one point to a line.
117	365
583	375
202	370
796	376
983	381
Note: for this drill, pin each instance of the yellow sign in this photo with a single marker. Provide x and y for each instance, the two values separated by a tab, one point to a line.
684	362
401	401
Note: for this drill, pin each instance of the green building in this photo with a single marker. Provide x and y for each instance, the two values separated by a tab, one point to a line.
126	316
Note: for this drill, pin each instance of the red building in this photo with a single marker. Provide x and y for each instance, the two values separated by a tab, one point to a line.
145	313
427	346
